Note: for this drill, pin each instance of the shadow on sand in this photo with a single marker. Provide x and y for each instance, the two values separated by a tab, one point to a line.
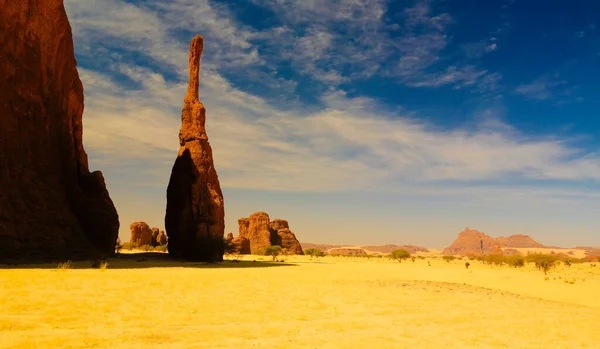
150	260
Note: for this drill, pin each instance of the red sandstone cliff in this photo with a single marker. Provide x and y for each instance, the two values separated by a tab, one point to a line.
51	206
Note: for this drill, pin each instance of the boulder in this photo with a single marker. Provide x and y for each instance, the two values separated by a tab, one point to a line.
51	205
195	216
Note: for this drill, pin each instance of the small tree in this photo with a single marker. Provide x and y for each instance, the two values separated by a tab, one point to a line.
516	261
399	255
314	252
273	251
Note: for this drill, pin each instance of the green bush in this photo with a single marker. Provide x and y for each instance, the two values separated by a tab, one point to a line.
161	248
543	262
399	255
273	251
494	259
314	252
515	261
147	248
129	246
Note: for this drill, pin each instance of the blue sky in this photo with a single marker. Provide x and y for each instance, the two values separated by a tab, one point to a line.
359	121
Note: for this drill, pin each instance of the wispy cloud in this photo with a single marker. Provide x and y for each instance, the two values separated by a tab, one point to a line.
350	143
550	87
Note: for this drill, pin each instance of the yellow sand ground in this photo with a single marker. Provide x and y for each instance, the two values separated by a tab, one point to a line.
331	302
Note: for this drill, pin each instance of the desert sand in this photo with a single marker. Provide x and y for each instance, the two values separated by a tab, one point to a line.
329	302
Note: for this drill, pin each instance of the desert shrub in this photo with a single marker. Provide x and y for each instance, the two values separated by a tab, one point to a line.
161	248
118	245
494	259
100	264
515	261
64	265
568	262
467	264
129	246
272	251
228	247
314	252
399	255
421	257
543	262
448	259
147	248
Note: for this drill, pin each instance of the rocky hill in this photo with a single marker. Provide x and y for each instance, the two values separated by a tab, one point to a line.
471	241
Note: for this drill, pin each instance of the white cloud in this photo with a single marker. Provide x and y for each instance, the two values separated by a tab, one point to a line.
351	143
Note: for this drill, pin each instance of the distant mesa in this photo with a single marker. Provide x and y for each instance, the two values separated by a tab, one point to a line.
195	214
258	232
347	251
51	206
384	249
471	241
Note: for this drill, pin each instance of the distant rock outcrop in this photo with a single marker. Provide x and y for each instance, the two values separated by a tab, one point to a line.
141	234
195	216
389	248
51	206
518	241
475	242
155	232
257	232
161	239
368	249
347	251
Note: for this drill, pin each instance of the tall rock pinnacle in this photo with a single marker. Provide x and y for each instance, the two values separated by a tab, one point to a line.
195	216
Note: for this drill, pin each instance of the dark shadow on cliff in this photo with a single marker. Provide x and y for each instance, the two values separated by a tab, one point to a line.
152	260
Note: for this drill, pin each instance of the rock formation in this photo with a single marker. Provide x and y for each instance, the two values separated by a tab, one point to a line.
155	232
380	249
475	242
141	234
518	241
195	217
51	206
161	239
389	248
347	251
257	232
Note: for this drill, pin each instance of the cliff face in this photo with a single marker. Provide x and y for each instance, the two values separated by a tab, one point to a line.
195	215
51	206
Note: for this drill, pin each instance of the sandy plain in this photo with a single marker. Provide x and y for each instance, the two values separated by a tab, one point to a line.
329	302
